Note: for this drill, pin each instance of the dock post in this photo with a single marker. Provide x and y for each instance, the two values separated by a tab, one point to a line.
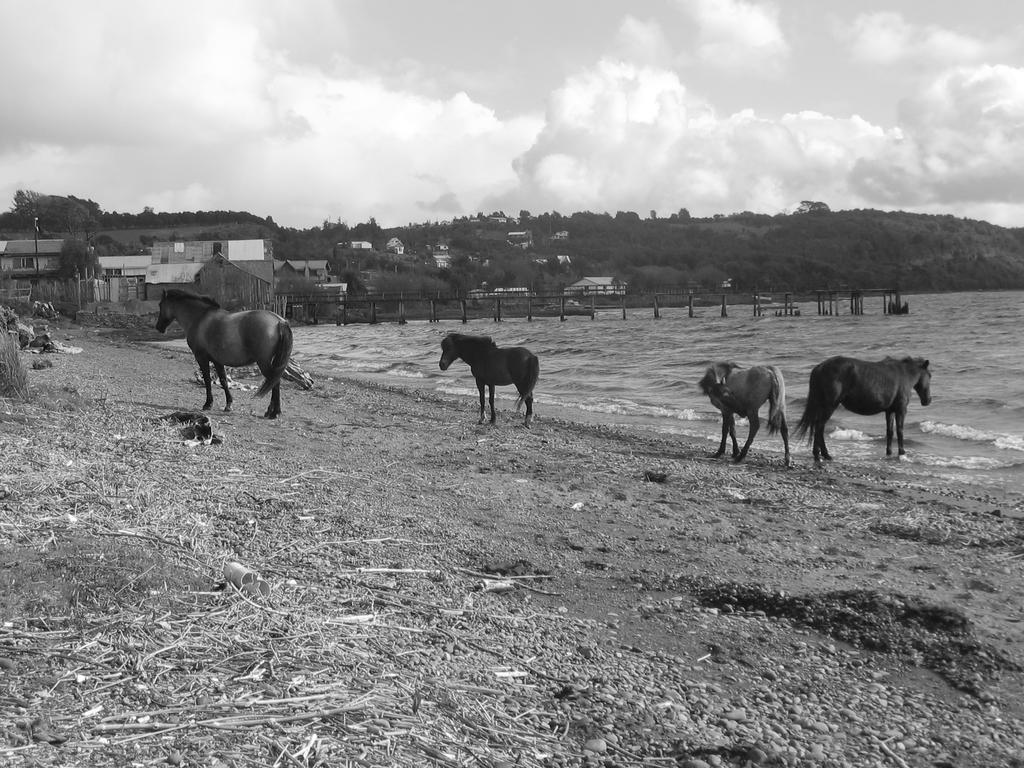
757	304
787	305
725	313
657	311
561	311
529	308
593	306
433	311
340	317
623	306
497	310
690	304
463	311
401	312
373	312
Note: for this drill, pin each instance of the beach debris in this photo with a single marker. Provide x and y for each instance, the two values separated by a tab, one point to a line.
655	476
245	580
44	309
297	375
196	427
43	343
293	373
496	585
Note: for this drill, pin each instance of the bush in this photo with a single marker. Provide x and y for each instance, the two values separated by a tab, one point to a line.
13	374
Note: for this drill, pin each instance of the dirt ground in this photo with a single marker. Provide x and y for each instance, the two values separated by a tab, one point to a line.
830	615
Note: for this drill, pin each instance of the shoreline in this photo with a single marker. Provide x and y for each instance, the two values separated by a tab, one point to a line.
391	503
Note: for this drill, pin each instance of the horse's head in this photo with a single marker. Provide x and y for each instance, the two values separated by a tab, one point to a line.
166	315
449	354
923	386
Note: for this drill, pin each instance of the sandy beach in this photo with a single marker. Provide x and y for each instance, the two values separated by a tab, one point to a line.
443	593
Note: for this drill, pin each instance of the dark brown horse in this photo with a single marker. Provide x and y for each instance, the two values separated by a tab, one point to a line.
493	365
739	391
230	338
865	388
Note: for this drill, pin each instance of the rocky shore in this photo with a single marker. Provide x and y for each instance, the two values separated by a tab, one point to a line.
442	593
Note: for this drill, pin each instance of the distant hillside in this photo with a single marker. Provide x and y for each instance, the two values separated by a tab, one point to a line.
815	248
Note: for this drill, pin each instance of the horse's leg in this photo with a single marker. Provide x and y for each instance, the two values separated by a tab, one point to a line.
480	386
755	424
784	430
491	392
274	409
204	368
725	436
732	435
900	416
222	376
820	451
529	409
888	434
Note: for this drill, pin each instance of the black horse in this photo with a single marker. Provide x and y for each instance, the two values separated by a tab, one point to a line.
737	391
865	388
494	366
230	338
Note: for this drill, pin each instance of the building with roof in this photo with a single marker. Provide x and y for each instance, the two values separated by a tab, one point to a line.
605	286
30	259
317	270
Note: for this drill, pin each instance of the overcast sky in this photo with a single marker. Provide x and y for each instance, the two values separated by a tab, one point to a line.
416	110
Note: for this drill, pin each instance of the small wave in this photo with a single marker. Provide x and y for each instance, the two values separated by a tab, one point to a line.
405	370
960	432
851	435
963	462
620	407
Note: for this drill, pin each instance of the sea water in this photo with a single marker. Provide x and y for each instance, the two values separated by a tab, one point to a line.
643	372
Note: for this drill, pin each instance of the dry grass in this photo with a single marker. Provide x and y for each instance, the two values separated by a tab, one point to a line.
13	374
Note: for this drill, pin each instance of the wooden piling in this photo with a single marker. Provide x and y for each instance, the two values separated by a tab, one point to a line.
529	308
657	311
373	311
433	311
623	300
593	306
561	311
690	305
464	319
725	312
497	310
401	312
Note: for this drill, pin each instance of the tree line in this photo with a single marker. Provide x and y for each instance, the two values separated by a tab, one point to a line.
812	248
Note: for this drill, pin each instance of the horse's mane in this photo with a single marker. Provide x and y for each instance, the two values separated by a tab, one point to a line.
716	375
179	294
476	342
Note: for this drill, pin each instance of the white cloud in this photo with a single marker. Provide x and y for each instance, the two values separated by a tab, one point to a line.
203	104
887	38
963	144
738	34
621	137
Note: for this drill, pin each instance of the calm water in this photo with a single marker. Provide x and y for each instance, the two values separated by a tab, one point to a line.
644	372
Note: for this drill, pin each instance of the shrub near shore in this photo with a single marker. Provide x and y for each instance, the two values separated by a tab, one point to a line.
447	594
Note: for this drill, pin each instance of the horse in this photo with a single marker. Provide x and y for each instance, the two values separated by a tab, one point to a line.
865	388
493	365
737	391
230	338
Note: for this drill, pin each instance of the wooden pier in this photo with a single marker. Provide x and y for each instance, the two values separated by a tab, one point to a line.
311	308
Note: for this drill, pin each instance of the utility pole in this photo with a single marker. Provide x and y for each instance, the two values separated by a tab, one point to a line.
35	226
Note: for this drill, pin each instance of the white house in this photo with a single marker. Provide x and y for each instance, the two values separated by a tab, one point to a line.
395	246
125	266
609	286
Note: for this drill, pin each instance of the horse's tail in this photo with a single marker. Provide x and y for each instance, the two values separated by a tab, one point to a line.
814	412
532	375
776	401
278	364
